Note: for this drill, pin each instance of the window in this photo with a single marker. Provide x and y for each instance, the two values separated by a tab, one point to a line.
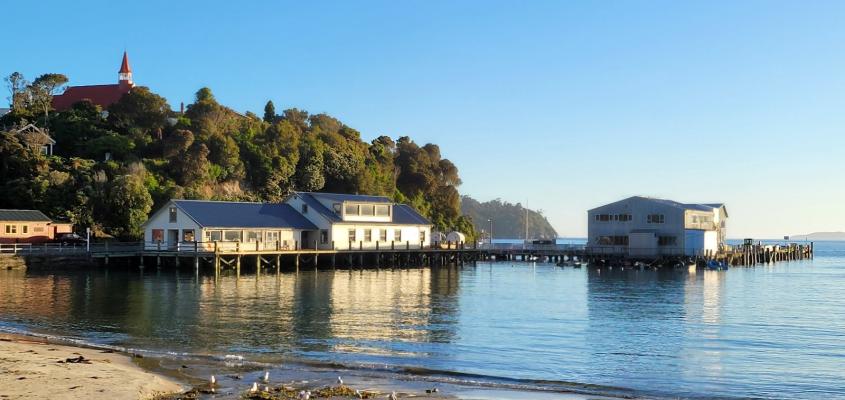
215	236
253	236
158	235
604	217
623	217
612	240
655	218
397	235
172	214
38	229
337	207
324	236
304	208
667	240
422	236
383	210
271	236
187	235
231	236
351	209
24	228
352	236
382	237
367	210
368	235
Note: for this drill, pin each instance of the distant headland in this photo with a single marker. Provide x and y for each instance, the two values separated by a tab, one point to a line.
821	236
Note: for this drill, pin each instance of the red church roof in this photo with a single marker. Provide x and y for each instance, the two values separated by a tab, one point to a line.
102	95
124	66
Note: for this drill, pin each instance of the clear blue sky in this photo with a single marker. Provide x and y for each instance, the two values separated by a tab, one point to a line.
564	105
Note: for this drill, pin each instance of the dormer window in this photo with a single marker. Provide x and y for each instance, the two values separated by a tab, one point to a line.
382	210
351	209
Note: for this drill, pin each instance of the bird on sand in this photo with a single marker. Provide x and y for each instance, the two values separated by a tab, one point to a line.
339	381
254	387
392	396
266	376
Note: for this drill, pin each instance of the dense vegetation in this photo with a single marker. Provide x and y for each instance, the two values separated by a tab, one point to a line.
509	220
110	169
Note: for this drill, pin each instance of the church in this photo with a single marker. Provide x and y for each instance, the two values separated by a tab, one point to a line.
101	95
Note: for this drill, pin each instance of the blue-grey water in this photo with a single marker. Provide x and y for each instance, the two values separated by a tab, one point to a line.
762	332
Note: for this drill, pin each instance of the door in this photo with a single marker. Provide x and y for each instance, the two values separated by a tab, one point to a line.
172	239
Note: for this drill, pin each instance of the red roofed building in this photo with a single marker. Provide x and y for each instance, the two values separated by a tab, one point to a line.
101	95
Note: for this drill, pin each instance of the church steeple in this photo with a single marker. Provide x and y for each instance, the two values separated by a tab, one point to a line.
124	76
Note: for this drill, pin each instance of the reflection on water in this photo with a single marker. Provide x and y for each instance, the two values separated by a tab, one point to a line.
774	331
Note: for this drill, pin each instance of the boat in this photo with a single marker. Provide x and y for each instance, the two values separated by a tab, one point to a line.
716	265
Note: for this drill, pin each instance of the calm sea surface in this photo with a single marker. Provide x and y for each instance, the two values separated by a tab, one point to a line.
764	332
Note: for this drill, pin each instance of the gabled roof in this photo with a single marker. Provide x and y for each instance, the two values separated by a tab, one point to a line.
229	214
672	203
402	214
23	215
32	128
101	95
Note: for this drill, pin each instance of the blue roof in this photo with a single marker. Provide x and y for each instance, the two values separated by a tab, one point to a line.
227	214
402	214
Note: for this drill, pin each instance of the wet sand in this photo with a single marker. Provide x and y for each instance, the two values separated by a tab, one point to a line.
33	368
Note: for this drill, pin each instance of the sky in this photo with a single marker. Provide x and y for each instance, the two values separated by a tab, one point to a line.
560	105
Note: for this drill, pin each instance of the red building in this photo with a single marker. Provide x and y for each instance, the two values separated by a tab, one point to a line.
101	95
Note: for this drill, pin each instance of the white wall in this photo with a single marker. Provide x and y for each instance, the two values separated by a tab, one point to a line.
161	220
410	233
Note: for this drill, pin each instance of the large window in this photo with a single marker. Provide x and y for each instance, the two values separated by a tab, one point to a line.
655	218
382	235
352	236
612	240
231	236
367	210
382	210
397	235
188	235
604	217
214	236
172	214
253	236
271	236
158	235
368	235
351	209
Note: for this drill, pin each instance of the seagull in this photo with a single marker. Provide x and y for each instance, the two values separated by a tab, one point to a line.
254	387
303	395
267	389
392	396
266	376
358	394
339	381
213	380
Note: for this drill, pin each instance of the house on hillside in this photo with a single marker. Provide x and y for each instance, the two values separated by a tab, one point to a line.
30	226
233	225
648	227
361	222
36	138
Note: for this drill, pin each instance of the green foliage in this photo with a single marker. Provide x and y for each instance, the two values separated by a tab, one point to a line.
209	152
509	220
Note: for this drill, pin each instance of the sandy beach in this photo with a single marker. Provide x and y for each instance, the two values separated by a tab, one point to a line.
33	368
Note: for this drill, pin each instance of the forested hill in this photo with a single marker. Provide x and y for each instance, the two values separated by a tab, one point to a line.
111	169
509	220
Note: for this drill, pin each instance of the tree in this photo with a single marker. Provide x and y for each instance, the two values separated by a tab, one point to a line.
270	112
140	114
129	204
17	87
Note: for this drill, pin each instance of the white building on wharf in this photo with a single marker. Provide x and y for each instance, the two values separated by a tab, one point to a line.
648	227
304	220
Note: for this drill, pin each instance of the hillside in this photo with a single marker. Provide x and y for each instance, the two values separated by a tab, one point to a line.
820	236
508	219
108	171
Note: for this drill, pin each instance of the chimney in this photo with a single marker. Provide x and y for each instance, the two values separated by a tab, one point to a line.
182	107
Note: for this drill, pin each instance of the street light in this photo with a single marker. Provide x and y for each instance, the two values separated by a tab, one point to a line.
490	220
